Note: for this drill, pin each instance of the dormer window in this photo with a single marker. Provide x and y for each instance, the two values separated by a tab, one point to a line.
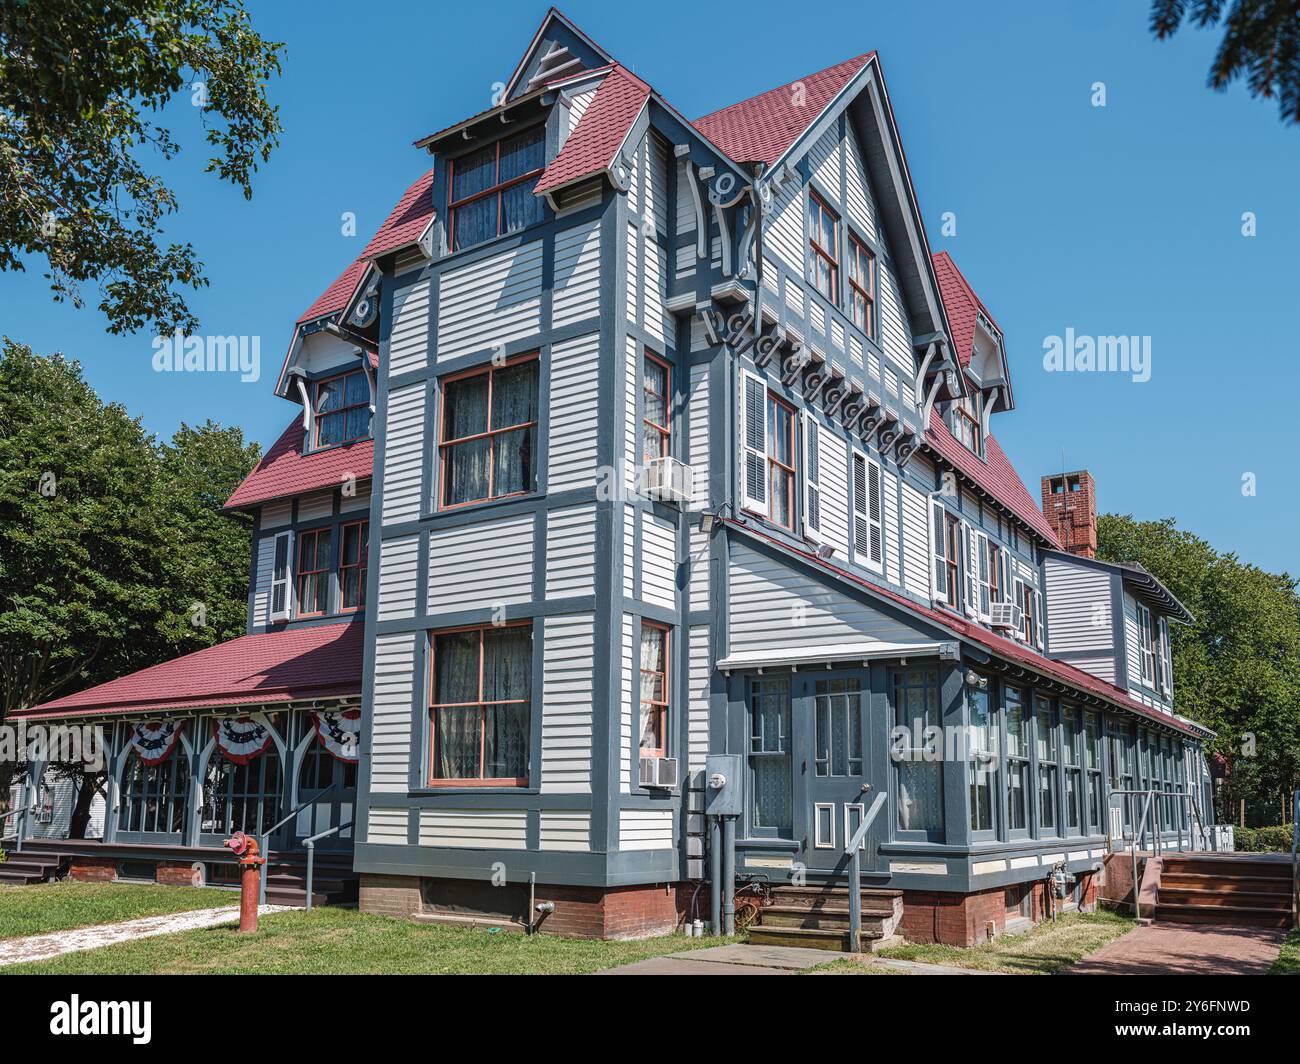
342	409
490	191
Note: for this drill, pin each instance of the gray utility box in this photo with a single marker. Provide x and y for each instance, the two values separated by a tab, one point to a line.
726	799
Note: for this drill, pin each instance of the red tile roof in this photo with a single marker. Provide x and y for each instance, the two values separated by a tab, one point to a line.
284	470
406	221
337	295
961	303
1008	649
761	129
320	661
996	475
604	126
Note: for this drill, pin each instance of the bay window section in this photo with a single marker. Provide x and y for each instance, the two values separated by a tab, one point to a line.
481	706
352	565
654	690
1048	756
491	190
1013	711
488	442
313	572
983	759
918	764
772	804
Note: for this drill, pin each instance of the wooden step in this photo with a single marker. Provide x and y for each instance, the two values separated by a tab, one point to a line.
822	919
1234	915
1228	884
1233	867
1213	898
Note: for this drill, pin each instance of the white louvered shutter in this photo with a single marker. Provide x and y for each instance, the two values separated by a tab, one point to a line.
982	570
280	598
861	523
940	558
753	443
812	503
875	521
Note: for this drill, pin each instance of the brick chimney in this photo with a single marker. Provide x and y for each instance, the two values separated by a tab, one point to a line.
1070	506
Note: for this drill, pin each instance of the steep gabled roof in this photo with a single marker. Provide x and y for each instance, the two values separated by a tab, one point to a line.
601	131
962	304
319	661
338	295
994	474
762	128
557	25
406	221
284	470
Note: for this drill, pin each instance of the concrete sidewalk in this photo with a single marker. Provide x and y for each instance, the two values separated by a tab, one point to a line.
57	943
1185	949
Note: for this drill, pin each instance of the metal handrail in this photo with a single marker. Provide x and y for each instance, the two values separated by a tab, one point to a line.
1140	829
853	851
311	855
266	835
18	838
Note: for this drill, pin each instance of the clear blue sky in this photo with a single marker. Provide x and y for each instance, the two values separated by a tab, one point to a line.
1117	220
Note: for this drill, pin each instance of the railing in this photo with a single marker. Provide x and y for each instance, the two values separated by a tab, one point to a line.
266	835
22	825
1139	831
1295	858
311	855
853	851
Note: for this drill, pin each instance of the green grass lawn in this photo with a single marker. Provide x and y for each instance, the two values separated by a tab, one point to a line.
346	942
1288	961
1046	949
46	907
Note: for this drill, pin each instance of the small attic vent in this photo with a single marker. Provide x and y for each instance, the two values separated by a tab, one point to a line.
557	62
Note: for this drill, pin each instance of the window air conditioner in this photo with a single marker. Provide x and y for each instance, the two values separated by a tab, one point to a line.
668	480
660	772
1006	615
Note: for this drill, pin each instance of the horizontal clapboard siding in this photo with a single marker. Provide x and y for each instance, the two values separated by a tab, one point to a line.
566	704
390	731
916	542
698	436
316	506
576	295
1102	666
474	829
784	238
700	671
625	715
570	549
833	474
658	560
403	494
772	606
645	829
1079	615
387	827
490	302
824	158
565	831
489	563
408	345
398	578
573	428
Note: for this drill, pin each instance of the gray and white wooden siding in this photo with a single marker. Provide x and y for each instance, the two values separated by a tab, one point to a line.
1079	613
567	694
491	301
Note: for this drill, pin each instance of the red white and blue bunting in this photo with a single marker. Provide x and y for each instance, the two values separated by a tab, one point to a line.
340	733
242	739
154	740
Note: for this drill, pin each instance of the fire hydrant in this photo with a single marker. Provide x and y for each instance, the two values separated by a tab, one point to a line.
250	880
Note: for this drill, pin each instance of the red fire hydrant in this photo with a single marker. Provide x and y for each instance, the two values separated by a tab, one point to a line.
250	880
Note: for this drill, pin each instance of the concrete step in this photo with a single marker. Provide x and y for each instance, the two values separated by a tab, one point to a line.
810	938
1233	916
1217	899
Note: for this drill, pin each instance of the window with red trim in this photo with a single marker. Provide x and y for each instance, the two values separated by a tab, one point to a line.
781	420
823	242
862	286
951	556
656	433
489	433
490	190
654	690
313	572
352	565
342	409
480	706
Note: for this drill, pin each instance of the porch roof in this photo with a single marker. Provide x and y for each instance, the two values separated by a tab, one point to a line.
1007	649
863	650
320	661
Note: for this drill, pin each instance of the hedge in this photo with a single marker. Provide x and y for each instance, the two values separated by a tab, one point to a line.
1263	840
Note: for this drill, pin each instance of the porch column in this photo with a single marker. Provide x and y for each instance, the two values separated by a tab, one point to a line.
112	789
31	794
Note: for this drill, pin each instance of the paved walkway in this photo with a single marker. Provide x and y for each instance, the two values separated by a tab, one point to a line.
56	943
1185	949
740	959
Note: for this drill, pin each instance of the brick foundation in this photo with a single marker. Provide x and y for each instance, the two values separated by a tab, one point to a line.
93	869
965	919
177	874
580	912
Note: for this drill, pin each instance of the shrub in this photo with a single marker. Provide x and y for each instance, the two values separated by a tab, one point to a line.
1275	839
